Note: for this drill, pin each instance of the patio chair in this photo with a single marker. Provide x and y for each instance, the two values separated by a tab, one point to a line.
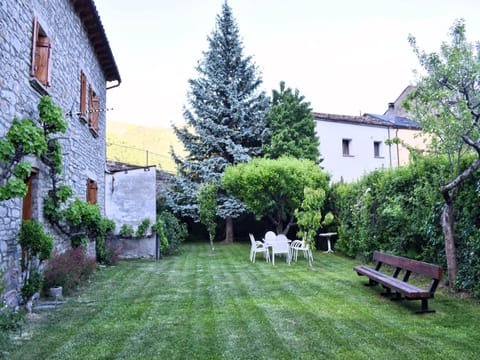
270	236
258	247
299	245
280	246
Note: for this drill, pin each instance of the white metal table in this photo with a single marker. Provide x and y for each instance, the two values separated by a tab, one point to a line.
328	236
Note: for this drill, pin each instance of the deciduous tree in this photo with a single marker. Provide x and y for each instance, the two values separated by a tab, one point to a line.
446	102
274	188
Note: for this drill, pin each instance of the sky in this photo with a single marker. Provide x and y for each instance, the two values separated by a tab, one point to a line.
345	57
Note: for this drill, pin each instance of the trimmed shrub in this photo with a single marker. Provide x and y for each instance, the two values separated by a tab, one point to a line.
69	269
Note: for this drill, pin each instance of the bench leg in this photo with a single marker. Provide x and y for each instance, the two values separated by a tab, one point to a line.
371	283
396	297
424	308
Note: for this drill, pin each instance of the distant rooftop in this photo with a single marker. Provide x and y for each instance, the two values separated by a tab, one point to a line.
367	120
370	119
398	121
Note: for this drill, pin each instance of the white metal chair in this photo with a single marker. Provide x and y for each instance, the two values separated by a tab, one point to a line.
270	237
280	246
258	247
299	245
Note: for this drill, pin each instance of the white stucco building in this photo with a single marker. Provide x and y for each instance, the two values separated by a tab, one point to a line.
351	146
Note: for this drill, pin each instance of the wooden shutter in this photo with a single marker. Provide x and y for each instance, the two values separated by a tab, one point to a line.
27	201
42	60
83	93
94	112
92	189
34	45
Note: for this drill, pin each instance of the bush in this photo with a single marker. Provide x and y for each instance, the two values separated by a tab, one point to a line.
143	228
126	231
33	284
174	232
112	254
37	247
103	252
11	320
399	211
69	269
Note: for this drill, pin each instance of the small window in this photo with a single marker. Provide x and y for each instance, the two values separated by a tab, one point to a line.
376	149
93	110
41	55
346	147
92	189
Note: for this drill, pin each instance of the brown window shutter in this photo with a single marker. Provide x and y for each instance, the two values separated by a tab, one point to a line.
49	62
92	189
27	201
42	60
34	45
83	93
94	112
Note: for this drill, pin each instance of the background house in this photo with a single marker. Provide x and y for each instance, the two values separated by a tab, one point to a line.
354	145
57	48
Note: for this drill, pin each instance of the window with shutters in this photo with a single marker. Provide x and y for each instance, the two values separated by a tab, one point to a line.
92	191
41	59
93	110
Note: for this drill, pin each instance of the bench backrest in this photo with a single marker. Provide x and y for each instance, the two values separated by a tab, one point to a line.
419	267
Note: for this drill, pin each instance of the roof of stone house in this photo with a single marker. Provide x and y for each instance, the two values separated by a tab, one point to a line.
359	120
88	14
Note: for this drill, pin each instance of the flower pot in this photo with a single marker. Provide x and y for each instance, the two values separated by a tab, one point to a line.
55	292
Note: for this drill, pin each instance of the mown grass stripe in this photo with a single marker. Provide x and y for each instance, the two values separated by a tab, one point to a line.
221	306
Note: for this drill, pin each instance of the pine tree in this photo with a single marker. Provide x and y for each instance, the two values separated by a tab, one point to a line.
225	120
292	125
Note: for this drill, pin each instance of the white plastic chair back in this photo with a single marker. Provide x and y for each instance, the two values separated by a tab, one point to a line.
280	246
270	237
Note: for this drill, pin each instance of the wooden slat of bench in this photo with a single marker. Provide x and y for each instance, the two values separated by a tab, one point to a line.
419	267
409	290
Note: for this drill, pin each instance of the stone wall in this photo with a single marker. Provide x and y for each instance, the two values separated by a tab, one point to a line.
84	153
135	248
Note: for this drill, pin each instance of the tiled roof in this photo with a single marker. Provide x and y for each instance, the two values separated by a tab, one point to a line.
362	120
369	119
398	121
88	14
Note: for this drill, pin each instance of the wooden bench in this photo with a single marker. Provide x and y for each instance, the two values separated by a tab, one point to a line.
399	289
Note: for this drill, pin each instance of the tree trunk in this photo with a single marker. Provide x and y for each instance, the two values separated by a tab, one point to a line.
279	227
228	230
450	250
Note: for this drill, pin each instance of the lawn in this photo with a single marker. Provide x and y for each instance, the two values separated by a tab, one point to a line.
203	306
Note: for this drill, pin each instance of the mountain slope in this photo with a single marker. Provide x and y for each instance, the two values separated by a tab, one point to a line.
142	145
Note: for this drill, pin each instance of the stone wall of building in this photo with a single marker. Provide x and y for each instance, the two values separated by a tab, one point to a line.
84	152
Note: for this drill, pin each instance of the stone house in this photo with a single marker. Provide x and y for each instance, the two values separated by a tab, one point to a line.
57	48
354	145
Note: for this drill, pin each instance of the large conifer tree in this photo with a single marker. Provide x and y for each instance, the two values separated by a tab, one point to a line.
225	120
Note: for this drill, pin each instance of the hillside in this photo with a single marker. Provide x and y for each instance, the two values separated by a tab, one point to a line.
134	144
